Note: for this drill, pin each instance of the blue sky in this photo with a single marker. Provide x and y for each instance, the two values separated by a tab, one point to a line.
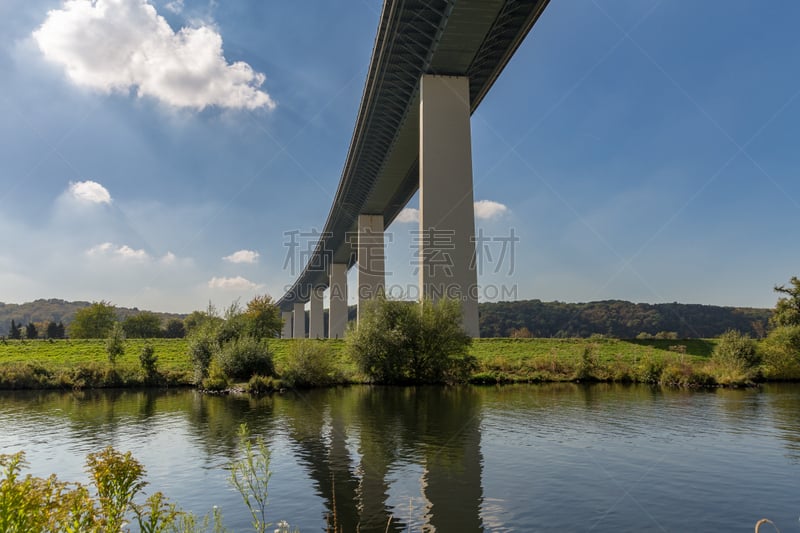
156	154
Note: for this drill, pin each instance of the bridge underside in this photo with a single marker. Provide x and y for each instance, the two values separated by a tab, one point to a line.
468	39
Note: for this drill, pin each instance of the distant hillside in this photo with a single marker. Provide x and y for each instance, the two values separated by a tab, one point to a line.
618	319
543	319
54	310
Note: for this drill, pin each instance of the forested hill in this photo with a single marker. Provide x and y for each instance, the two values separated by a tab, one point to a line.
617	318
53	310
542	319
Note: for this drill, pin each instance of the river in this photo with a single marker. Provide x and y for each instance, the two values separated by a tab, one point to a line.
559	457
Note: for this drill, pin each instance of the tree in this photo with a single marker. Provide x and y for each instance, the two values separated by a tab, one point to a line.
787	310
93	322
144	325
115	343
263	317
174	329
30	331
15	332
148	360
54	331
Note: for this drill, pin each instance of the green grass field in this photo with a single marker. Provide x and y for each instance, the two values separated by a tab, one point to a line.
498	360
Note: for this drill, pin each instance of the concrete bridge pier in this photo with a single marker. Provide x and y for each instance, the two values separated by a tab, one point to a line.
447	265
337	309
286	332
316	322
299	322
370	259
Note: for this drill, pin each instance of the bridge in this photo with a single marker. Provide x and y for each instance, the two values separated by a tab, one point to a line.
432	64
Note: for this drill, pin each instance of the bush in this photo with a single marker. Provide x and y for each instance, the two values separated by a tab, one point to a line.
400	342
262	385
682	374
650	368
244	357
734	358
309	364
148	360
588	366
115	343
202	347
781	353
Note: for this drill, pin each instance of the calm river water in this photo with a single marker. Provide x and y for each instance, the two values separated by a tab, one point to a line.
515	458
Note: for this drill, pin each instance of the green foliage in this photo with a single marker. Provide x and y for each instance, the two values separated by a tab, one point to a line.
115	343
781	353
30	504
244	357
174	329
143	325
202	346
787	310
401	342
615	318
55	331
31	332
735	358
93	322
310	363
250	476
262	385
15	332
263	317
148	360
118	479
587	367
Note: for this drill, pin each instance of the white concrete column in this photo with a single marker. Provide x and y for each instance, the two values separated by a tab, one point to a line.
316	320
286	333
299	325
446	210
371	274
337	310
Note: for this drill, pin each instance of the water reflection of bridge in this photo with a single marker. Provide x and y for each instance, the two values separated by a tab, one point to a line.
351	449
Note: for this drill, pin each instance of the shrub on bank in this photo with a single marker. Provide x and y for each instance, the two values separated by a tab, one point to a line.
310	363
244	357
780	353
405	342
734	359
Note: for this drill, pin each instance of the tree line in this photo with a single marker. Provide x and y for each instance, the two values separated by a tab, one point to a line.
617	318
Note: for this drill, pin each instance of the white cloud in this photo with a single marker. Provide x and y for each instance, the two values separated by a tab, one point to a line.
242	256
169	258
124	252
408	214
237	283
487	209
119	45
484	209
176	6
90	192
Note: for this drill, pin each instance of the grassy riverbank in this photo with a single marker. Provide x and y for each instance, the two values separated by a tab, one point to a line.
84	363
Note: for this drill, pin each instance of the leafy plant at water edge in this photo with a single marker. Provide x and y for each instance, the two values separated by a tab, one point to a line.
781	353
735	358
404	342
244	357
309	364
250	476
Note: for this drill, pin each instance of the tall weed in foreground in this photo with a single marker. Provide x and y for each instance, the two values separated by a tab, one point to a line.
250	476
